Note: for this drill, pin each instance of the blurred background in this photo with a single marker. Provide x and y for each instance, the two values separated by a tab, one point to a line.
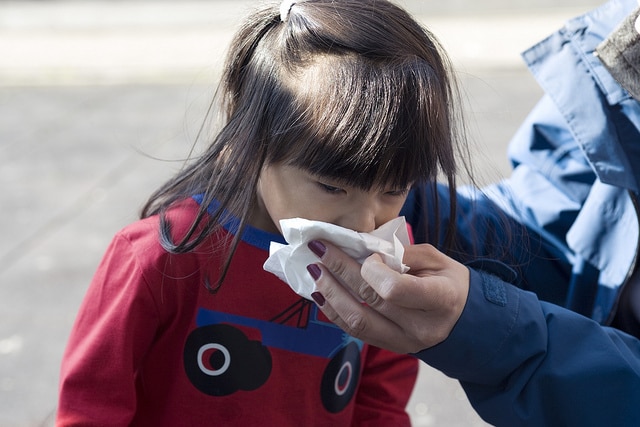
100	101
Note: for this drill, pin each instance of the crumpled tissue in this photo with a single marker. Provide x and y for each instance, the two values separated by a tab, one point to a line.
289	262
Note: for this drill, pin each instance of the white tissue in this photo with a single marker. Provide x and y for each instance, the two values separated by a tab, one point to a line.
289	262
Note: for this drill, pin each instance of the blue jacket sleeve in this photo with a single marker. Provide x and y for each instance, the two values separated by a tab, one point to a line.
526	362
522	353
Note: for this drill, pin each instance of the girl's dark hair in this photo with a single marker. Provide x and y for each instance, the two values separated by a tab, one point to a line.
354	90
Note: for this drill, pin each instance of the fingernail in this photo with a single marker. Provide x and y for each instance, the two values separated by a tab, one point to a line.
314	271
317	247
318	298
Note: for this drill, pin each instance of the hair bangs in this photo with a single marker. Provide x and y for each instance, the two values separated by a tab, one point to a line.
363	122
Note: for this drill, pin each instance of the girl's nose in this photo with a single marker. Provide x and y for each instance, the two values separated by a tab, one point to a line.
362	220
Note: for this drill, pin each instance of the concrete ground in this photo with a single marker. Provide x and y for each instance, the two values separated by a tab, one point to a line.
99	102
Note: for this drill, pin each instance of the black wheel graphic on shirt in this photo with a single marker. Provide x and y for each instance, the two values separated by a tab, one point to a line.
340	378
220	360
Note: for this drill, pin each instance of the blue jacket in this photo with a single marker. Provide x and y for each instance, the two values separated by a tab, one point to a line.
540	353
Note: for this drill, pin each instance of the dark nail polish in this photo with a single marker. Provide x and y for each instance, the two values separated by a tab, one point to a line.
317	247
318	298
314	271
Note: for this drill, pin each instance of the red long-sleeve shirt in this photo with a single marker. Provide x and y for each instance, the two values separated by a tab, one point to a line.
152	346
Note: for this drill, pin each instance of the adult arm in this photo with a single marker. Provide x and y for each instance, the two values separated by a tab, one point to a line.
521	361
526	362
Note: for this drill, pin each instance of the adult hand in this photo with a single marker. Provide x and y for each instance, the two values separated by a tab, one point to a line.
404	313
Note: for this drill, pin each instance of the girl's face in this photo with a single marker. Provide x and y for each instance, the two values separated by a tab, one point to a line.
288	192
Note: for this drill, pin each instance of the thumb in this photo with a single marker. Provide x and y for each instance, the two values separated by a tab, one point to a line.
424	258
397	289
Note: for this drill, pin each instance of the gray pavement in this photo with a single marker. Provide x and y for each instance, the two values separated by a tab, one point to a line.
99	101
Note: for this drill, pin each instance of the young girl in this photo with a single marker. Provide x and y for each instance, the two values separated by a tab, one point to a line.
331	110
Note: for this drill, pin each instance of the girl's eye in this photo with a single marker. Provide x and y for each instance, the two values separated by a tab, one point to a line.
398	193
330	188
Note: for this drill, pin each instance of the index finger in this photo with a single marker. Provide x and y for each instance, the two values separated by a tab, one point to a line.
344	269
360	320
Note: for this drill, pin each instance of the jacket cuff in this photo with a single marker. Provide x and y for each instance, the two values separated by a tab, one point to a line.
480	346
